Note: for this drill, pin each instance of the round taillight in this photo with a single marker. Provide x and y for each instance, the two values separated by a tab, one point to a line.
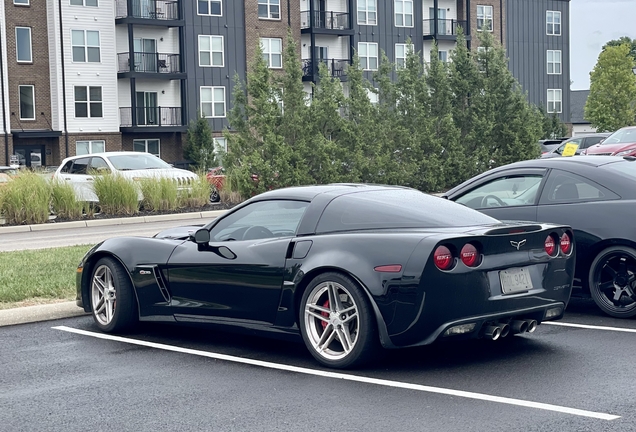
566	244
443	258
469	255
550	246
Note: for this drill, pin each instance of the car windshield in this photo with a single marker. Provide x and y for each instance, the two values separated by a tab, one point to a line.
622	136
624	168
139	161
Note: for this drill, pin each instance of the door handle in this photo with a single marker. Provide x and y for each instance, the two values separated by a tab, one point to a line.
66	178
89	179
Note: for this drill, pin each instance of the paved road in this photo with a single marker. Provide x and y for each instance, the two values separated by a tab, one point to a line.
84	235
55	380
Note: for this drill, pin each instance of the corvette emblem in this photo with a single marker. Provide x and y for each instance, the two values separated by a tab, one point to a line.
517	244
144	272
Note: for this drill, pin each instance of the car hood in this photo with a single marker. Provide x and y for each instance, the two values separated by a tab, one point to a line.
175	173
178	233
610	148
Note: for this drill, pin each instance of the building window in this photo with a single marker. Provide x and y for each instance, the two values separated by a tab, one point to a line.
88	147
553	23
404	13
23	44
211	51
272	52
92	3
27	102
367	12
147	145
269	9
210	7
21	2
85	44
554	101
484	18
554	62
443	56
88	102
212	101
368	53
373	96
401	52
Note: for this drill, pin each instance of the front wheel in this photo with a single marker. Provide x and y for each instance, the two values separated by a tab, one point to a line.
337	322
112	297
214	196
613	281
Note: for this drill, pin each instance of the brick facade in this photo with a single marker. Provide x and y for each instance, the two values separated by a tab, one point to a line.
498	18
170	144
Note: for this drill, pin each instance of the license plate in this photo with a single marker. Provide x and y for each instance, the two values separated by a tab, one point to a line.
515	280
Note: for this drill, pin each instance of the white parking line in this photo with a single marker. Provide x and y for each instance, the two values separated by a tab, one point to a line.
592	327
347	377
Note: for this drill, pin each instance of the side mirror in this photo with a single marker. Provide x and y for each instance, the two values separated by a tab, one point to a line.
601	141
201	236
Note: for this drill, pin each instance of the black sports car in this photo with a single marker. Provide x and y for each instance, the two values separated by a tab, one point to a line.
595	195
349	267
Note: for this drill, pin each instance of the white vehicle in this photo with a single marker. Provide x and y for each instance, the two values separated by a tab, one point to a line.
80	170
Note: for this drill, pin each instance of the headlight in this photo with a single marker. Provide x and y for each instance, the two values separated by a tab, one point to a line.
625	152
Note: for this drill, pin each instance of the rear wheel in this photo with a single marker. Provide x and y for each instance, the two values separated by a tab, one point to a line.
214	195
337	323
112	297
613	281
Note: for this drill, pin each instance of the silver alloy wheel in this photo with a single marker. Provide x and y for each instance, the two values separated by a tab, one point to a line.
103	295
331	320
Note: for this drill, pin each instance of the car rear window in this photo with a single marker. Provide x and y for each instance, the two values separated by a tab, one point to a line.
625	168
396	208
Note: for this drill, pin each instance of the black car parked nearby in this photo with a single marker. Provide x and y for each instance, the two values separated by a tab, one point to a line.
595	195
349	267
582	141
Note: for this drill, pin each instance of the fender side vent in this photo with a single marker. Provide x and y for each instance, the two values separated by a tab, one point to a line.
161	283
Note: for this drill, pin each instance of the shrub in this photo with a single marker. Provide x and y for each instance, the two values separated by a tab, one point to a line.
197	194
229	192
26	199
63	201
116	194
159	194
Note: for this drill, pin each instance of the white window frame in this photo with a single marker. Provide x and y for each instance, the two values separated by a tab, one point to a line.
552	99
550	21
367	45
83	3
407	48
145	142
212	102
22	3
268	54
211	51
86	46
220	2
88	102
364	7
269	4
90	146
557	66
373	96
220	143
486	17
20	101
442	55
30	45
404	14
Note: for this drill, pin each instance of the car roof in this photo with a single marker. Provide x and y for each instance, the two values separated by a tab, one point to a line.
563	162
310	192
107	154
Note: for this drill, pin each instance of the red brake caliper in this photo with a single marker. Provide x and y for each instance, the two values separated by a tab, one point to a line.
325	314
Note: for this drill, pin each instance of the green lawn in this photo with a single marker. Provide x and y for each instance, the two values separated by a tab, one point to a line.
38	276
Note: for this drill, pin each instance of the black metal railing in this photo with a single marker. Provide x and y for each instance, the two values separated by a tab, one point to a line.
336	67
149	62
151	116
447	27
325	20
149	9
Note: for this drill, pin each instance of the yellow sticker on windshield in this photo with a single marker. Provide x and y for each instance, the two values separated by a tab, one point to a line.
570	149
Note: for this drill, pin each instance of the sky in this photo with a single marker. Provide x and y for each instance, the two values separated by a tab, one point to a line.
592	24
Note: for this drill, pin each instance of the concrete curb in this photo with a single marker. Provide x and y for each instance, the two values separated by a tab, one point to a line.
45	312
110	222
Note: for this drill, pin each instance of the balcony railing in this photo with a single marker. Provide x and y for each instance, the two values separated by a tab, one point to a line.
149	62
149	9
325	20
445	27
151	116
335	67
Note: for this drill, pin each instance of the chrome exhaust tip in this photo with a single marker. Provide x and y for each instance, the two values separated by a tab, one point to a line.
532	326
519	326
505	330
492	332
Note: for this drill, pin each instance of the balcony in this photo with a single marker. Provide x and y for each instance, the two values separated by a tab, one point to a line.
146	64
162	12
446	28
167	118
327	22
336	68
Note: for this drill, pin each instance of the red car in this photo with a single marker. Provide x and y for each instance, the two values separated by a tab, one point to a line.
620	143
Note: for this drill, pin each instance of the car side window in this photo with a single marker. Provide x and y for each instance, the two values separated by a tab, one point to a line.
565	187
99	164
80	166
261	220
590	141
506	191
67	167
572	141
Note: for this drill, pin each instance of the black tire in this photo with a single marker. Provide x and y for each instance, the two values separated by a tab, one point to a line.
612	281
351	319
118	311
214	196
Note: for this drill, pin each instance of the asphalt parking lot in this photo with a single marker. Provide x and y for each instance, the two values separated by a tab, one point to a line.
66	375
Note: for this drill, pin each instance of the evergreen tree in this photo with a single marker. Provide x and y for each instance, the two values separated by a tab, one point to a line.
199	144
